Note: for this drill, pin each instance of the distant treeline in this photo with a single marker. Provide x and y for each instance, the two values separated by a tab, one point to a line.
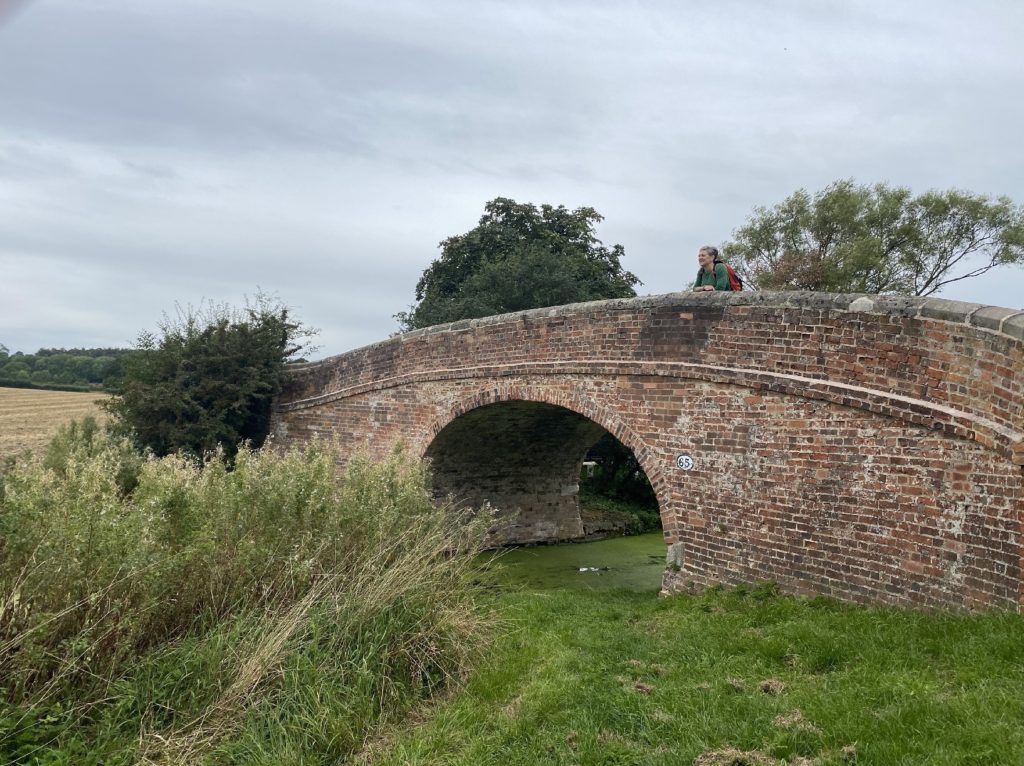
76	369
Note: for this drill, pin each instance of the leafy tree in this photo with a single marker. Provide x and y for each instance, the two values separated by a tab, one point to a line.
208	378
519	257
16	370
81	368
877	239
618	474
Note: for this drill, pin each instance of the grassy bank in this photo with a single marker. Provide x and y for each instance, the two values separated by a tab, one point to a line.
160	611
730	678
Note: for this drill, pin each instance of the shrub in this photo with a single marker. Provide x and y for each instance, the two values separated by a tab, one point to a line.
208	379
638	519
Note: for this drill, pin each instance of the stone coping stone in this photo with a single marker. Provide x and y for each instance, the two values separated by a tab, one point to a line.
1014	326
949	311
993	317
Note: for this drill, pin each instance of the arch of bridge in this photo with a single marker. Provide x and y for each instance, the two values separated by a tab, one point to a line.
573	400
919	403
520	449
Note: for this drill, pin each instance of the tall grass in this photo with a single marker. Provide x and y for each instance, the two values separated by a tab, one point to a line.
166	611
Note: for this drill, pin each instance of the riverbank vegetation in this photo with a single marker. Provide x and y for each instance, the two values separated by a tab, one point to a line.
631	517
613	486
171	611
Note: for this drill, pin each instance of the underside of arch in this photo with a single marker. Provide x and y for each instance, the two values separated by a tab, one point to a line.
521	459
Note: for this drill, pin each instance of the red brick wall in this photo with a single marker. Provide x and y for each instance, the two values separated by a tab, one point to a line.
861	446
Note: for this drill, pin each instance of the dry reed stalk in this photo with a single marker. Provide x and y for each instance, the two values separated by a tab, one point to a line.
371	585
189	744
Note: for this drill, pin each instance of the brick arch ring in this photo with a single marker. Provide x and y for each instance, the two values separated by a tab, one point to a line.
576	402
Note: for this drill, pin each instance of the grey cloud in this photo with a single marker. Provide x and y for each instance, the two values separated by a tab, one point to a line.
153	153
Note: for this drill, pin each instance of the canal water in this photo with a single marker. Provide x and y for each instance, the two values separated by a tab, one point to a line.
632	563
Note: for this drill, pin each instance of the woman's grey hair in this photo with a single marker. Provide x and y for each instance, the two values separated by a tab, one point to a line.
711	250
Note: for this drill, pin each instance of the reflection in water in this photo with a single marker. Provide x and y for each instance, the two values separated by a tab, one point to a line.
632	563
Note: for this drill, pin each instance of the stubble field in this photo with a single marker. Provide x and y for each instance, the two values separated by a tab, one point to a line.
29	418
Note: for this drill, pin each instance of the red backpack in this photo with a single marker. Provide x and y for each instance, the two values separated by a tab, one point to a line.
735	283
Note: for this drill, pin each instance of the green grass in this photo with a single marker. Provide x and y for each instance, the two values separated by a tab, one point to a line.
597	677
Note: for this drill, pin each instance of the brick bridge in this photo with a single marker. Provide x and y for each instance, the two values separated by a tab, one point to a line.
866	447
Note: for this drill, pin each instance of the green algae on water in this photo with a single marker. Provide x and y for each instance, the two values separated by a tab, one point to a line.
628	563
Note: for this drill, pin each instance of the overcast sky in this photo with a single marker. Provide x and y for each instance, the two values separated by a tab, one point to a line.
161	152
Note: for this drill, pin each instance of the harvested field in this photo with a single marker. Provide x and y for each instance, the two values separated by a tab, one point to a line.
29	418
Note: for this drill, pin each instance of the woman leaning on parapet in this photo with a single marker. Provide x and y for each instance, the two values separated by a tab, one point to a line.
712	274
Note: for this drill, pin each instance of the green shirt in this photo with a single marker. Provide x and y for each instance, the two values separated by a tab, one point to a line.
720	279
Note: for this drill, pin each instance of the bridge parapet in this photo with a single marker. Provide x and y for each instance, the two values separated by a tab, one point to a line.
950	365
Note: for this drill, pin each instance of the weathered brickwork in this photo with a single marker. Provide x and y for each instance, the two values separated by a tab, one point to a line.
860	446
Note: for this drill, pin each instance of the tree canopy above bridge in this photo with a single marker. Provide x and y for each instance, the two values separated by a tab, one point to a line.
518	257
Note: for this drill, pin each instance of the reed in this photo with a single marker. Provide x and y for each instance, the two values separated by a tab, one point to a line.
170	611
